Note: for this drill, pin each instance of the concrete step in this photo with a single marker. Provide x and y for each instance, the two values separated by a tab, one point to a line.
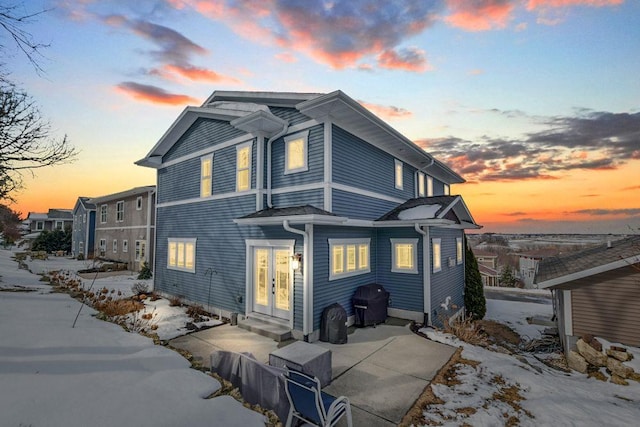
274	331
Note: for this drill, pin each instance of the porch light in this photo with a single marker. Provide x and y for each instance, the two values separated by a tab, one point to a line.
296	259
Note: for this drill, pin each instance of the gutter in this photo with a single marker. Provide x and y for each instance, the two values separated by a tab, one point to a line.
284	130
307	283
426	273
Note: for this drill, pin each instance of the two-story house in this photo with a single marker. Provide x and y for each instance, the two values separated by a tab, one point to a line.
125	226
36	223
84	225
276	205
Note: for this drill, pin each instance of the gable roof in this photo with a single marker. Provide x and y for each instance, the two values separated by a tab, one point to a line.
557	270
487	271
248	111
306	214
451	209
85	203
123	194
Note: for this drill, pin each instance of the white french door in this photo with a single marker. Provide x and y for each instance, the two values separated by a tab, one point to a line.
272	281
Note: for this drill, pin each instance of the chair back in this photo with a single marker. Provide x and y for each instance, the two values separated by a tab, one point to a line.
304	394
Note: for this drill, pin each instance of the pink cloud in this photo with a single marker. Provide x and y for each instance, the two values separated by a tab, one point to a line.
410	59
482	15
287	57
199	74
153	94
539	4
387	112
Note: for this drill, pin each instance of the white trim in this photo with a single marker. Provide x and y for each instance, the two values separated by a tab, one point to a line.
344	243
298	188
414	243
426	273
205	199
304	136
589	272
209	150
367	193
120	203
127	227
260	172
248	145
106	213
328	165
270	242
185	241
434	242
568	312
398	185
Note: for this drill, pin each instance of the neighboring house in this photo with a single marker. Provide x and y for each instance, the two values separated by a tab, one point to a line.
596	291
488	266
125	226
36	223
84	226
528	264
276	205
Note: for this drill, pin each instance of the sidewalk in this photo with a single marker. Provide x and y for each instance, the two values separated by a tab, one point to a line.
381	370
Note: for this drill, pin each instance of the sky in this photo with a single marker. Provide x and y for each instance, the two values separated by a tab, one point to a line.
536	103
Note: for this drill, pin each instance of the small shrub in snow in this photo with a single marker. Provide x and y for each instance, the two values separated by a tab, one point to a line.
175	301
145	272
197	312
140	288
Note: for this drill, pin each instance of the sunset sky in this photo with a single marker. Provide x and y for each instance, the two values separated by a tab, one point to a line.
536	103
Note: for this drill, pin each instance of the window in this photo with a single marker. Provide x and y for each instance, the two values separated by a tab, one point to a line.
206	175
84	218
436	249
115	246
349	257
141	246
429	186
421	192
398	173
103	214
125	246
181	254
81	247
120	211
243	168
458	250
139	203
39	225
295	153
404	256
446	190
102	247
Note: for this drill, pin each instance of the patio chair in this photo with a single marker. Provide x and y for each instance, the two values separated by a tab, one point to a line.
309	404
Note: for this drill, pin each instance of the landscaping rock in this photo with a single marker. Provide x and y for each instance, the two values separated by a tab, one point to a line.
577	362
621	354
618	380
593	356
592	341
635	376
617	368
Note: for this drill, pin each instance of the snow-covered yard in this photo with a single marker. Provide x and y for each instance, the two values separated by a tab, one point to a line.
488	394
95	373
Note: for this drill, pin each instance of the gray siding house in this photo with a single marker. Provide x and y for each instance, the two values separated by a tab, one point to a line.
36	223
596	291
125	226
84	227
277	205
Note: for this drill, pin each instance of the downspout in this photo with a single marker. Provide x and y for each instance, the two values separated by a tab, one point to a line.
150	204
426	267
307	298
285	128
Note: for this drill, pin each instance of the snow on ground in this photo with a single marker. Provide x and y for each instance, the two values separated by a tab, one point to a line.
96	373
551	397
515	314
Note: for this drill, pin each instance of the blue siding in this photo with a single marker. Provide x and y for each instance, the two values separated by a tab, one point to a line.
315	161
407	290
359	164
299	198
358	206
327	292
450	280
204	133
291	115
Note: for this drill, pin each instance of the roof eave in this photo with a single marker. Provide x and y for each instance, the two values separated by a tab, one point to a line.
293	219
589	272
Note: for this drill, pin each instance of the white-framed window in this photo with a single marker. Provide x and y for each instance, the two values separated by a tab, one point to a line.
296	153
398	174
243	167
59	225
446	191
102	247
115	246
141	246
404	256
81	247
459	250
429	186
39	225
103	214
120	211
436	252
206	175
84	218
421	185
348	257
125	246
181	254
139	203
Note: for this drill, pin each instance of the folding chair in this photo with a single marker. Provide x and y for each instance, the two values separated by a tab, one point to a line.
309	404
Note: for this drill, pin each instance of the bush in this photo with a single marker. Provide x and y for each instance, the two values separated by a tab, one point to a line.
145	272
474	301
140	288
80	257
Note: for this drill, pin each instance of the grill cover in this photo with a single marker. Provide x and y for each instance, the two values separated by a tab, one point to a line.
333	327
370	304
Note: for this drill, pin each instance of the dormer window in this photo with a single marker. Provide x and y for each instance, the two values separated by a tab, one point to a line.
398	175
206	173
243	168
421	185
295	153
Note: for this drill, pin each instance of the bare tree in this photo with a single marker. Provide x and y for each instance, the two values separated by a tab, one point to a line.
12	20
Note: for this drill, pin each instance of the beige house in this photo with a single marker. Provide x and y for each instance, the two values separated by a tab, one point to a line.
488	266
125	226
596	291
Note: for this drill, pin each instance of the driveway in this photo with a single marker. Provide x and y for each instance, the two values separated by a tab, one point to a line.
382	370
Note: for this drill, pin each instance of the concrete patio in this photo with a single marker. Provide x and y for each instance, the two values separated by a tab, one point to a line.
381	370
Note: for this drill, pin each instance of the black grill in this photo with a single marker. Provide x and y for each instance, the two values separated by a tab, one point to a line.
370	304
